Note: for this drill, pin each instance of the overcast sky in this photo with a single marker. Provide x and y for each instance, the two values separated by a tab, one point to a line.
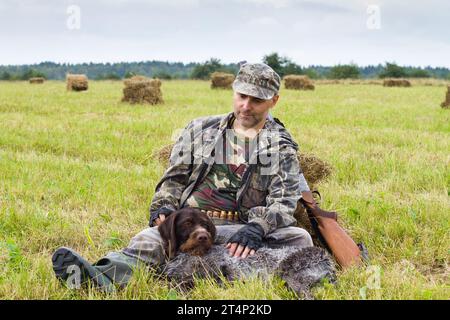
327	32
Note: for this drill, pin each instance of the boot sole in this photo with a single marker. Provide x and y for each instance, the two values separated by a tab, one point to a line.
65	258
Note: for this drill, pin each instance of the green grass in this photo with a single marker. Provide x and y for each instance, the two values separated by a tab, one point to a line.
76	169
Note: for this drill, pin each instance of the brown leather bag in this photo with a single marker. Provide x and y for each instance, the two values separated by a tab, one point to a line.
345	250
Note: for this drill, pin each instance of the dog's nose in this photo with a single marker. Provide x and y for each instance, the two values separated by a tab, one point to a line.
202	237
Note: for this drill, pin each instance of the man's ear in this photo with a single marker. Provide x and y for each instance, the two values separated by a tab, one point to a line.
167	230
275	100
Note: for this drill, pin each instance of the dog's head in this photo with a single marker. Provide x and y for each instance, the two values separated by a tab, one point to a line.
187	230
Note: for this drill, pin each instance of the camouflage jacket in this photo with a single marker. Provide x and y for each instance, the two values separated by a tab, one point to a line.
270	188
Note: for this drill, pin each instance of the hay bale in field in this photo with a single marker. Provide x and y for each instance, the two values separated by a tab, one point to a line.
163	154
37	80
396	83
221	80
446	103
298	82
77	82
139	89
314	169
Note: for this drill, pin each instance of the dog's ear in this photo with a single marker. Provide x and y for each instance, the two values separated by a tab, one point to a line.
167	230
212	229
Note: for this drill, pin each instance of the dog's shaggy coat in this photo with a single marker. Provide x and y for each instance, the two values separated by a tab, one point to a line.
301	269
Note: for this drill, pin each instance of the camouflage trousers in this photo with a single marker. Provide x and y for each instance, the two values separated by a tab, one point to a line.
146	248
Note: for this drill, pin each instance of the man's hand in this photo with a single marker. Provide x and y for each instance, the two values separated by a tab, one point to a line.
241	251
159	220
246	241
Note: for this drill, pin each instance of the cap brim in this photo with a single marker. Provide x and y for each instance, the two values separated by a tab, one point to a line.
252	90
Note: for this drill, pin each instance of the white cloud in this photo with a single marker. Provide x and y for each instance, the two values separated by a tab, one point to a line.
264	21
319	32
273	3
153	3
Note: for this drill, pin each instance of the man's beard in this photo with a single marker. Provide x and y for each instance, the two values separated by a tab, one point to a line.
247	121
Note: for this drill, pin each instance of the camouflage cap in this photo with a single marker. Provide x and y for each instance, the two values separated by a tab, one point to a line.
257	80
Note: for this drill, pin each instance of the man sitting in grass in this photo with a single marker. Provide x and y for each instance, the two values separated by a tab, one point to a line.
243	164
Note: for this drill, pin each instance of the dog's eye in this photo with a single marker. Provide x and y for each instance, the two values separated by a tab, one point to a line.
187	224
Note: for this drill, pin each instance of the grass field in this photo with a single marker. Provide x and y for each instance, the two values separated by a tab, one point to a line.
76	169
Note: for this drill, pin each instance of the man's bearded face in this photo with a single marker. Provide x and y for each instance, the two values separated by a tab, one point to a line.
251	112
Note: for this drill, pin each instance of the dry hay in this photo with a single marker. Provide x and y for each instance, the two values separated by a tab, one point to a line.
77	82
163	154
221	80
37	80
139	89
396	83
298	82
314	169
446	103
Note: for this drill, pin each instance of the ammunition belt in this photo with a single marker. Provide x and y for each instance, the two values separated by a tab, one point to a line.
223	215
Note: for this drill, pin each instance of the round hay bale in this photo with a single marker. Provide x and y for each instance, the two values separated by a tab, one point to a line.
396	83
77	82
298	82
221	80
446	103
37	80
163	154
139	90
314	169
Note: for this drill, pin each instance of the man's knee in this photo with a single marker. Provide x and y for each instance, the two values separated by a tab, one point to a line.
147	246
290	236
225	232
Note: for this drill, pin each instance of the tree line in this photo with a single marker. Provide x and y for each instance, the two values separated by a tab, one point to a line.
177	70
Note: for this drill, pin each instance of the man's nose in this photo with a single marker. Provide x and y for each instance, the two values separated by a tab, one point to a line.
246	104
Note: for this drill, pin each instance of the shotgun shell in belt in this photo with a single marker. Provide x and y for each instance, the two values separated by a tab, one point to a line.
216	214
223	215
236	216
209	213
230	216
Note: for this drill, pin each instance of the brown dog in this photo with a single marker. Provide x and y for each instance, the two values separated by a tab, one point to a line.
187	230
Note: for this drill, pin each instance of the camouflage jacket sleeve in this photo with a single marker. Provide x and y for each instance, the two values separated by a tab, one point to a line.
171	186
284	191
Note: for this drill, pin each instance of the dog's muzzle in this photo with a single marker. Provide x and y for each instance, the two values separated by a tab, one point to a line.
198	243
